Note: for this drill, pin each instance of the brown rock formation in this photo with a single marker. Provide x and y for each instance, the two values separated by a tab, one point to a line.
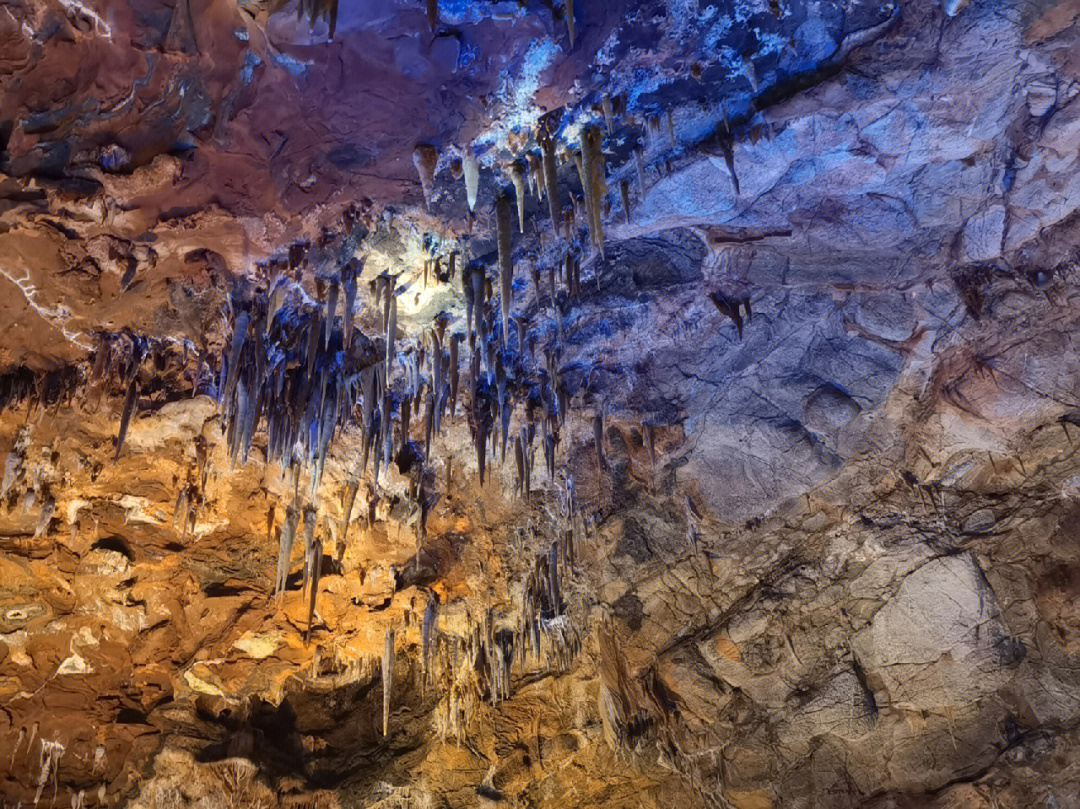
781	482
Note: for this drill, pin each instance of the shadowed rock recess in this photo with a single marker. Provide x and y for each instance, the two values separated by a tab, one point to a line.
540	403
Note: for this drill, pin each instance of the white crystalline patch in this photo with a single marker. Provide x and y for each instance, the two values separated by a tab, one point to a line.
74	665
100	26
1070	489
16	643
73	508
466	12
201	686
138	510
605	57
100	562
681	13
769	42
204	528
517	92
259	646
745	9
57	316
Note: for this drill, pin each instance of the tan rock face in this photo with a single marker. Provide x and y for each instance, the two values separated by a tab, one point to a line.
780	481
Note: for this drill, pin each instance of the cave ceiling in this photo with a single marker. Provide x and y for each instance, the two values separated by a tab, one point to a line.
533	403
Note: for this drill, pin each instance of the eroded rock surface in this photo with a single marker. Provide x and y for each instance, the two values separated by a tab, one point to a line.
812	411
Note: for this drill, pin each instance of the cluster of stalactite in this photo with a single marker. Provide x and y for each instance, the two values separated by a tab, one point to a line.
41	389
292	363
312	11
465	670
515	357
468	669
145	371
479	666
315	10
296	367
300	371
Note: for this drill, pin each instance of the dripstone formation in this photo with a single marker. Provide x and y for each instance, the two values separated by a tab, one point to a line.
539	403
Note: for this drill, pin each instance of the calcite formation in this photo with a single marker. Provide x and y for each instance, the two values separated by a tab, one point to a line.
539	404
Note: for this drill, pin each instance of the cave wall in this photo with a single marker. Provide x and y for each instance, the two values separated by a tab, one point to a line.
811	397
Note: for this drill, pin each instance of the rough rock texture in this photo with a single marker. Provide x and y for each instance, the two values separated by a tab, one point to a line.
825	552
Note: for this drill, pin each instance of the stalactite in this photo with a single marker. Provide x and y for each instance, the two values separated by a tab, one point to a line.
391	329
522	325
478	288
470	298
727	147
438	384
314	328
426	158
387	678
547	149
240	328
315	554
517	175
180	510
429	423
49	763
406	418
471	170
48	508
519	462
331	312
506	266
130	400
571	23
579	164
347	501
526	443
598	438
536	175
480	422
310	514
455	344
247	425
729	307
593	179
288	535
431	616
